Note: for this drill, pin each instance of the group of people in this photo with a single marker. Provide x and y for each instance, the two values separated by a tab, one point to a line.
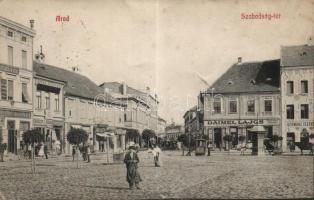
131	161
84	150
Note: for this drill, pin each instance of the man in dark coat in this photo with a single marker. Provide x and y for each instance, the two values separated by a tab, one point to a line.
131	159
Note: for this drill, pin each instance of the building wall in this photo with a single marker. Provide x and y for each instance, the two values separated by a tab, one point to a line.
239	122
15	115
296	125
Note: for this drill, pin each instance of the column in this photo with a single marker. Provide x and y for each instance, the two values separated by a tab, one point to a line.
114	139
123	142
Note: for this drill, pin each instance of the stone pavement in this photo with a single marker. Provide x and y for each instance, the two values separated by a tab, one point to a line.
217	176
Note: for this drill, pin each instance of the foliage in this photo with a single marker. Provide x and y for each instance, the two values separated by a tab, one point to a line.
77	136
311	135
3	147
148	134
241	138
32	136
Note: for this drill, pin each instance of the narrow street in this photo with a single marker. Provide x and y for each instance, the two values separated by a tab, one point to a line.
217	176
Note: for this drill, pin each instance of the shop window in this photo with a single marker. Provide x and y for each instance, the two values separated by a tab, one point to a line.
290	87
304	111
304	87
268	105
290	111
232	106
251	106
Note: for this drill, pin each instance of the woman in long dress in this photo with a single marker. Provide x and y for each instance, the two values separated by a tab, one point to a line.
41	150
131	160
157	156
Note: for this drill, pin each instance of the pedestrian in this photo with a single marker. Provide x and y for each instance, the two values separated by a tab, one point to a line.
243	148
84	152
88	153
156	153
131	161
46	150
73	152
208	148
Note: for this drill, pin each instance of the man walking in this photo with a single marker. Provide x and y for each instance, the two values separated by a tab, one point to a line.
46	150
131	160
208	148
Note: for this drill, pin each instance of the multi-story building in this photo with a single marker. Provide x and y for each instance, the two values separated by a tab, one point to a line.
48	114
86	106
173	131
246	95
16	81
161	127
297	93
141	111
191	122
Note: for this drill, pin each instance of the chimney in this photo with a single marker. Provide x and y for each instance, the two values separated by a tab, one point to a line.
124	87
32	23
239	59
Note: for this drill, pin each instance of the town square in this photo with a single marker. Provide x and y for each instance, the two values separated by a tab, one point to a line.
156	99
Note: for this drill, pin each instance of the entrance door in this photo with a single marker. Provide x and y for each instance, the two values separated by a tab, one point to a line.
234	133
11	137
291	141
217	137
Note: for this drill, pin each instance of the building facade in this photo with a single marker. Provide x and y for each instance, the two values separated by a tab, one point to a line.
297	93
86	106
191	123
141	111
246	95
16	81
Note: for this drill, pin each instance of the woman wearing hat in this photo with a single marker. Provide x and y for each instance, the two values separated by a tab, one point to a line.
131	159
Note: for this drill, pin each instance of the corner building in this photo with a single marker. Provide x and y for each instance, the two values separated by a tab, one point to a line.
297	93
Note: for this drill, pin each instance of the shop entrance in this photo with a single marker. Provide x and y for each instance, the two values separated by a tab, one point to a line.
217	137
252	137
234	133
291	141
11	137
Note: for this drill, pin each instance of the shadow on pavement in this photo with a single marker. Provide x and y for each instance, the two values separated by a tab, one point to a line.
102	187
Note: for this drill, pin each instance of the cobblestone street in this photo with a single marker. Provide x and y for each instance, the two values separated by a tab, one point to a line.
217	176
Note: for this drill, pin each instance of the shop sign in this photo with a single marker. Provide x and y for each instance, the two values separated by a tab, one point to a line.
301	123
39	121
48	83
234	122
15	114
100	129
9	69
49	121
57	123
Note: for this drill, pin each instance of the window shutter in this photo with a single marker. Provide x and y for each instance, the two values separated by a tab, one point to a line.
4	89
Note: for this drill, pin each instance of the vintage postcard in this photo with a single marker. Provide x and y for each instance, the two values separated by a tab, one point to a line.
156	99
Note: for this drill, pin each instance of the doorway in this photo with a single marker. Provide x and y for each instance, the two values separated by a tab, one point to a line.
217	137
11	137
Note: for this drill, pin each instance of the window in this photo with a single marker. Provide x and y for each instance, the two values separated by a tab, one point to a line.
251	106
10	33
232	106
57	103
290	111
268	105
10	55
47	100
304	87
25	97
24	59
217	105
289	87
38	99
4	91
10	90
23	39
304	111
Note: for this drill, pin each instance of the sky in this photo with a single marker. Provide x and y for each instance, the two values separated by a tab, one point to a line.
177	48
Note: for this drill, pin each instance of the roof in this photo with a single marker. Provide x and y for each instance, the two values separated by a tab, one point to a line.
17	26
77	85
302	55
193	109
247	77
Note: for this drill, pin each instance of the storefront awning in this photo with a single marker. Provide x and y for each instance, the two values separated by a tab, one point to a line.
105	134
258	129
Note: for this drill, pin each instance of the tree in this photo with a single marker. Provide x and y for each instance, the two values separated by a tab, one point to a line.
77	136
147	135
3	147
30	138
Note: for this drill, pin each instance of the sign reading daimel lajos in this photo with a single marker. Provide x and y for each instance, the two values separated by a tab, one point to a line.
235	122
